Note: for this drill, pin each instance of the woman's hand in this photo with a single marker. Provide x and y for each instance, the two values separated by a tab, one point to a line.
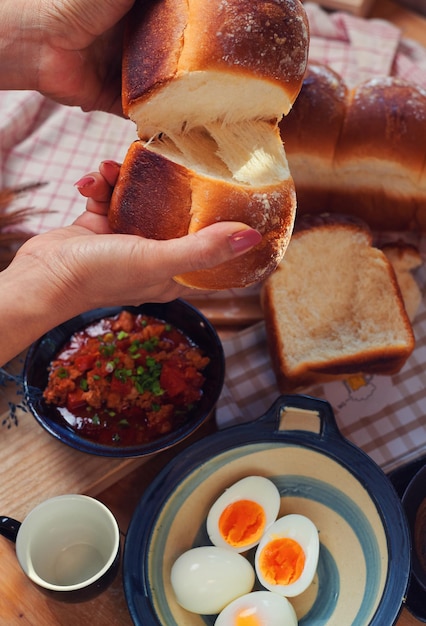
69	50
151	264
62	273
87	266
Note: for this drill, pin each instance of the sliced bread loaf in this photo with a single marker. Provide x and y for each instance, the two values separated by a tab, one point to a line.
333	306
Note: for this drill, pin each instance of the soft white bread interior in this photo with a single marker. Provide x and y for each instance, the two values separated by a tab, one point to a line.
206	83
333	307
361	151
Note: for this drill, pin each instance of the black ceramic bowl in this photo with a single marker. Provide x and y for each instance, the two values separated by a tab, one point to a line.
178	313
414	503
410	482
364	561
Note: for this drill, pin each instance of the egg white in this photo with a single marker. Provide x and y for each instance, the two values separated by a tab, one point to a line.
302	530
255	488
264	607
207	578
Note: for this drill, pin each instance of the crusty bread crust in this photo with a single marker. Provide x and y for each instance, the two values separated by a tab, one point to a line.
206	83
168	40
334	308
361	151
153	41
148	177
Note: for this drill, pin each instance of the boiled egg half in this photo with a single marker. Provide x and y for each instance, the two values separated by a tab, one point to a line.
241	515
286	558
259	608
207	578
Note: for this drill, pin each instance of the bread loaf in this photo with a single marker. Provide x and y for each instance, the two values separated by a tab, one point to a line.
359	151
333	307
206	83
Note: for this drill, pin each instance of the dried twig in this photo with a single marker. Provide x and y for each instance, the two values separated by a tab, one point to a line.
8	195
11	221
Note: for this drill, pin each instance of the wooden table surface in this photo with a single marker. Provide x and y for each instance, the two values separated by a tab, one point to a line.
20	603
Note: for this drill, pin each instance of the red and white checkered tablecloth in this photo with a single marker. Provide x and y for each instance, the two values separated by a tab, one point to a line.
359	49
44	141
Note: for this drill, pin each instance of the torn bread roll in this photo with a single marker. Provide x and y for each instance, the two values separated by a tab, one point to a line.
333	307
206	83
360	151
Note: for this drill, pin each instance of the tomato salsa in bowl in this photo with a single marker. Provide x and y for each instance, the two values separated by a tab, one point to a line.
126	381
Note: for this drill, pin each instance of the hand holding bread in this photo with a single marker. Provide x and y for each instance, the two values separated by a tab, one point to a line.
206	83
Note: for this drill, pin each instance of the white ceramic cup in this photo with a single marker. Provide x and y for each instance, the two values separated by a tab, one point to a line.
68	546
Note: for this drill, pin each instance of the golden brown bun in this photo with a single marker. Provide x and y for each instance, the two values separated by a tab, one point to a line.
239	59
333	307
360	151
161	199
206	83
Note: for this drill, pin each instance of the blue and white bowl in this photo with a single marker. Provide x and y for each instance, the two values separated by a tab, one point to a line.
364	561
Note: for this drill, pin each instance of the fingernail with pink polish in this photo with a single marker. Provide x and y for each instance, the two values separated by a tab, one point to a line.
243	240
86	181
111	166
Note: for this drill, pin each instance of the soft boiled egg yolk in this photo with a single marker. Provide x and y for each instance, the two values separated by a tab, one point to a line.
282	561
286	558
243	512
242	523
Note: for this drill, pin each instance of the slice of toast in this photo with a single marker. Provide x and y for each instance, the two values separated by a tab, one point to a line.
333	307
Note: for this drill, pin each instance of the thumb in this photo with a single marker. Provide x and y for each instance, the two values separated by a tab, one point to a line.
87	16
210	246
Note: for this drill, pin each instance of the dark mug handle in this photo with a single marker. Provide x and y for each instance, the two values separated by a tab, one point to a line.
9	528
